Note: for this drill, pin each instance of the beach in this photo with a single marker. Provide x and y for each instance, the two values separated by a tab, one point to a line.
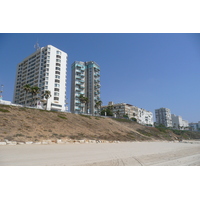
159	153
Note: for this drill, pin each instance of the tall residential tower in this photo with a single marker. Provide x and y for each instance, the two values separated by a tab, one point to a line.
86	81
47	69
163	116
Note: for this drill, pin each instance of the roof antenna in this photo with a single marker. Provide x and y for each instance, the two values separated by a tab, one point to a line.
36	46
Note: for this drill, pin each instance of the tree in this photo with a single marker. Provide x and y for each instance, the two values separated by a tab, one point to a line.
27	88
98	105
34	91
47	95
84	100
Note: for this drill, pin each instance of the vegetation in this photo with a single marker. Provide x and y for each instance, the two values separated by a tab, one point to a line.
84	100
27	89
62	117
34	91
4	110
108	111
86	116
98	105
47	95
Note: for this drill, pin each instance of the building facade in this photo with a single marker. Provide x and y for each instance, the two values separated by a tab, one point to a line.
145	117
85	80
179	123
194	126
47	69
163	116
123	109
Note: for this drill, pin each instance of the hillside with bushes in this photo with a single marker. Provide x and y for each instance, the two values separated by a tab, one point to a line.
27	124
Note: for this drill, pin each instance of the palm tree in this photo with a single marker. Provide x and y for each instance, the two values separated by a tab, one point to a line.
34	91
84	100
27	88
98	105
47	95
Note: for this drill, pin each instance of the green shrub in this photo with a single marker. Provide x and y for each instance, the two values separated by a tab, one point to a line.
62	117
86	116
4	110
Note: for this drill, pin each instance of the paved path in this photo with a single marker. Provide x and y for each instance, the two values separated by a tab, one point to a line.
103	154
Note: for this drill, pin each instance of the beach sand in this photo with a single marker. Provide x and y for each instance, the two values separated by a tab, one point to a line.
103	154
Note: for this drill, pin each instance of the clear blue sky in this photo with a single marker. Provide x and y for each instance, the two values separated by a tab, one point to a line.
146	70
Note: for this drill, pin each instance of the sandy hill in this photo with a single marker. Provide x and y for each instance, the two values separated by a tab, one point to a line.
26	124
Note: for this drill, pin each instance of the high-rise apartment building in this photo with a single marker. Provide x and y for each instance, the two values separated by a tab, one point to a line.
86	81
47	69
163	116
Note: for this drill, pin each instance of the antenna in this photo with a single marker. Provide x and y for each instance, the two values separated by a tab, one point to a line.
36	46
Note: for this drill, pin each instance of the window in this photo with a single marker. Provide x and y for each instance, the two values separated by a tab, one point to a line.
57	81
58	60
58	52
56	94
46	82
58	68
57	64
56	89
57	85
56	98
57	76
57	72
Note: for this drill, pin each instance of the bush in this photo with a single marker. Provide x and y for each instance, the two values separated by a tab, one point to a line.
4	110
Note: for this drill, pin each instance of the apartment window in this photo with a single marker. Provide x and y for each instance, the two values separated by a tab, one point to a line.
57	72
56	94
57	56
58	60
57	76
57	81
46	82
58	68
57	64
49	49
57	85
56	89
58	52
47	74
46	87
56	98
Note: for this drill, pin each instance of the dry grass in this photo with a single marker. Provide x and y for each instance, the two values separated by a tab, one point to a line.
25	124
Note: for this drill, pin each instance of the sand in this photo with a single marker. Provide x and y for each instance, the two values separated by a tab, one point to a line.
103	154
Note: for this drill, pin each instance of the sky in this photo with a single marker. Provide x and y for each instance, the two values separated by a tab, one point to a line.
149	70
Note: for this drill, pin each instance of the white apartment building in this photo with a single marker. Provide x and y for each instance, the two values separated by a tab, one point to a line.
120	109
194	126
179	123
163	116
145	117
85	80
47	69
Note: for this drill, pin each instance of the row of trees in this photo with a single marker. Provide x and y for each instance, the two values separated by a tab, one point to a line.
85	100
34	91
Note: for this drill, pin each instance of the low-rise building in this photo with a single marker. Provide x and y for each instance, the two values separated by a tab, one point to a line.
132	112
179	123
194	126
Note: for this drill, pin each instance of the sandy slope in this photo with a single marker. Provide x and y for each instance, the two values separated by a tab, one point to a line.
104	154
